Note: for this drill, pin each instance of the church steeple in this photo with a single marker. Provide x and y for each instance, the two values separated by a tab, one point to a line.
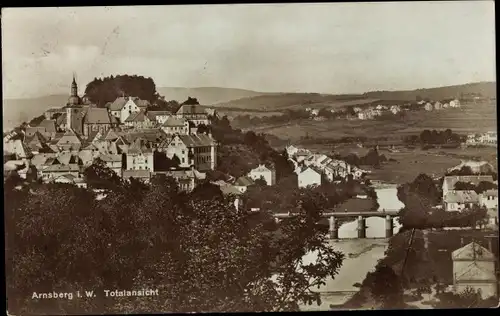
74	99
74	87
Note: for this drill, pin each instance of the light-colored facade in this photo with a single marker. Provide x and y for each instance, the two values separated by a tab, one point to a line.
197	150
489	199
269	174
456	201
474	268
308	177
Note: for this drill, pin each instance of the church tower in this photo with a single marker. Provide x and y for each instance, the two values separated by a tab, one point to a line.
74	99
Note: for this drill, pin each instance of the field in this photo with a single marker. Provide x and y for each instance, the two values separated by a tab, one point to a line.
472	118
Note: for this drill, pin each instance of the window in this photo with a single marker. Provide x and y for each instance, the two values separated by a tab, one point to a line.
183	160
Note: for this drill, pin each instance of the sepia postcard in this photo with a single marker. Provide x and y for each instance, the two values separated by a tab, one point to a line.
250	157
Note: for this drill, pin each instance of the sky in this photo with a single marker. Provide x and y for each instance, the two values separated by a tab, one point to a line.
324	47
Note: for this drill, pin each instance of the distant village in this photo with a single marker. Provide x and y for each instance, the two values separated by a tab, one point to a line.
369	112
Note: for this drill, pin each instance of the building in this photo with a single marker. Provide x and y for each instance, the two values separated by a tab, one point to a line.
438	105
113	162
186	179
52	170
428	106
194	113
450	181
474	268
242	183
139	120
456	201
159	116
488	138
69	141
139	156
268	174
174	125
395	109
141	175
71	179
192	150
308	176
123	107
455	103
97	120
489	199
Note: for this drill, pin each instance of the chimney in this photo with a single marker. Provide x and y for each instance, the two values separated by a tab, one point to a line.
461	241
490	245
68	118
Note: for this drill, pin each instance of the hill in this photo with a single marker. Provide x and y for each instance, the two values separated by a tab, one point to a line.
283	101
484	89
16	111
206	95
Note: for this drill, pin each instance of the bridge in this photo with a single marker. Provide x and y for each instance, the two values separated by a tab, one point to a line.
333	227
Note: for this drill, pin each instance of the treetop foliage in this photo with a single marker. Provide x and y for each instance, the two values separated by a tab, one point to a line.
201	253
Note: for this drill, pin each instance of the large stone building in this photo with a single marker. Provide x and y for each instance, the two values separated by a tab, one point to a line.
198	150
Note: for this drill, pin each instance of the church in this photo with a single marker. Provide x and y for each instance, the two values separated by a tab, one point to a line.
83	117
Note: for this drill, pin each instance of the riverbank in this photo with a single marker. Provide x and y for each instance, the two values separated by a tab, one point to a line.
359	260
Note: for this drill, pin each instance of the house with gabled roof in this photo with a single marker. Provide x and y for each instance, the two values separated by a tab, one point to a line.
69	141
139	156
474	268
71	179
175	125
159	116
450	181
35	141
123	107
141	175
308	176
55	170
268	173
139	120
198	150
193	112
187	179
113	162
98	119
242	183
459	200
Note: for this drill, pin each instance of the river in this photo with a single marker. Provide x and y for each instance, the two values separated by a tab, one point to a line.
361	255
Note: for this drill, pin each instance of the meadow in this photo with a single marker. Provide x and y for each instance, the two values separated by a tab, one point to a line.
473	118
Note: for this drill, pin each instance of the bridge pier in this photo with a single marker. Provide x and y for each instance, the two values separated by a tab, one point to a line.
389	226
333	230
361	227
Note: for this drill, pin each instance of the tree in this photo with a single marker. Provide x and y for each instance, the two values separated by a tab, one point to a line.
386	287
99	176
163	163
464	186
201	254
203	129
101	91
37	120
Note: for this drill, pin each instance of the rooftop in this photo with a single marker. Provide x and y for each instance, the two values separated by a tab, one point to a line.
461	197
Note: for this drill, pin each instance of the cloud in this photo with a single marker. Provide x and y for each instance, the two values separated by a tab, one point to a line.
280	47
